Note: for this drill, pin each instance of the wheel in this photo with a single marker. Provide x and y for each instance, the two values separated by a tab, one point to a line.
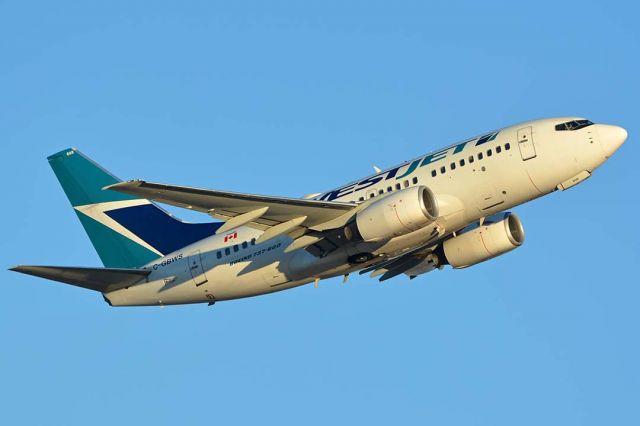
360	258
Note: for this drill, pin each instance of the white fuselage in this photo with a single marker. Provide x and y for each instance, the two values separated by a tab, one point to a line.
473	179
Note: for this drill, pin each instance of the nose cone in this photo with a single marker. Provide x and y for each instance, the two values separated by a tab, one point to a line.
611	138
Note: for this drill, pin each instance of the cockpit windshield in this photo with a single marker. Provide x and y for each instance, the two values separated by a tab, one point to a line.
574	125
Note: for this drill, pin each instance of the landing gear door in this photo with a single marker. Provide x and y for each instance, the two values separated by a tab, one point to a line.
525	143
196	269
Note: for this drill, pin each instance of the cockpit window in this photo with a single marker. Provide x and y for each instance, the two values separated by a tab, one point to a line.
574	125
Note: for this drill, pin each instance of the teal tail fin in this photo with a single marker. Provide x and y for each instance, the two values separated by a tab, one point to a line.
126	231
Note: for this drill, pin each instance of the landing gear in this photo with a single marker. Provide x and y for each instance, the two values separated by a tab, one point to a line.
359	258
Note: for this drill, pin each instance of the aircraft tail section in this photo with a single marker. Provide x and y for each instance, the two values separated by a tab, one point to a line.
103	280
126	231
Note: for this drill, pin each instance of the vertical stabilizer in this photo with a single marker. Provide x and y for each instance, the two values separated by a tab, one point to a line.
126	231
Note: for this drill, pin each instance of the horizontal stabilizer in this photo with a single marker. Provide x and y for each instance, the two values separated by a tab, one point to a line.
99	279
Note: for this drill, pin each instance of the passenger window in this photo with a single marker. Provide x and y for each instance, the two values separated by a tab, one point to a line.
381	191
389	188
489	153
236	248
245	245
433	173
253	241
498	149
361	198
219	255
442	170
415	180
398	186
471	159
507	146
373	194
453	166
480	156
227	251
406	183
462	162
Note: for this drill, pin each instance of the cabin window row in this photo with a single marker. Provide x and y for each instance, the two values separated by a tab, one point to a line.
235	248
462	162
398	186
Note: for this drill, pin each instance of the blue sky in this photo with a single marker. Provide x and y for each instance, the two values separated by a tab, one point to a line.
287	98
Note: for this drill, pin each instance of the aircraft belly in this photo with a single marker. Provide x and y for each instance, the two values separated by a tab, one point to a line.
250	277
156	293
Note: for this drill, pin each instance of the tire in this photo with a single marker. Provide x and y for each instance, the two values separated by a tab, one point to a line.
360	258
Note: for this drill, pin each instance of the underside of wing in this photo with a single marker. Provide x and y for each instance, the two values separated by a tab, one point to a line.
413	262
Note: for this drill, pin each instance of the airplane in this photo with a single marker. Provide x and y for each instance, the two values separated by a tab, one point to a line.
448	207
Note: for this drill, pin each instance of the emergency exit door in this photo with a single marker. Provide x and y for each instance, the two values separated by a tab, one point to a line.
525	143
196	269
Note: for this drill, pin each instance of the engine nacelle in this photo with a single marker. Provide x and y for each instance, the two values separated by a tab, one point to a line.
394	215
485	242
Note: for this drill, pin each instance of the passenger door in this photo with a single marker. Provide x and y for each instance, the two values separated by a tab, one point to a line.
196	269
525	143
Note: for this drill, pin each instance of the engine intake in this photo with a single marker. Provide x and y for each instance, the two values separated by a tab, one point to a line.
394	215
484	242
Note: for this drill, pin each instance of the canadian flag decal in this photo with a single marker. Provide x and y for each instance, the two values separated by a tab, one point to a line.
231	236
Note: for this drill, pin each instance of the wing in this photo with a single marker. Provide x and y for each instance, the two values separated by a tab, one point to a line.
98	279
303	220
420	256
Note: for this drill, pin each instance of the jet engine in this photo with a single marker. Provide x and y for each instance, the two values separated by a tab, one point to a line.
396	214
496	236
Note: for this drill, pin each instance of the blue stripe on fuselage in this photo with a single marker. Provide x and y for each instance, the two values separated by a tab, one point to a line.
411	168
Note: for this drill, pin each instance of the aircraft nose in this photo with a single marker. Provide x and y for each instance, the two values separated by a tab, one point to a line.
611	138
